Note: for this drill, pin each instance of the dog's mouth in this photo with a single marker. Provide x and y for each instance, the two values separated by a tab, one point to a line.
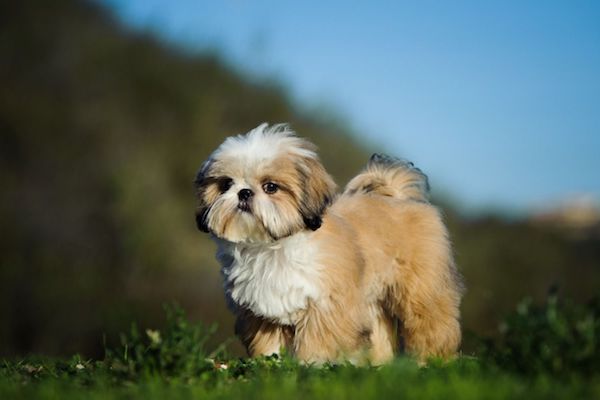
244	206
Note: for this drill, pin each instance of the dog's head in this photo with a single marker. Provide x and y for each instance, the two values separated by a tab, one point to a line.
262	186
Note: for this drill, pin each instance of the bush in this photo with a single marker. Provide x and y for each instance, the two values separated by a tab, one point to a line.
558	337
177	351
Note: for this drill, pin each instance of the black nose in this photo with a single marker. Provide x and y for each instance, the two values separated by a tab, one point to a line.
245	194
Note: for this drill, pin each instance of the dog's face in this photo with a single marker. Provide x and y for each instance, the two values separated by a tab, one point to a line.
262	186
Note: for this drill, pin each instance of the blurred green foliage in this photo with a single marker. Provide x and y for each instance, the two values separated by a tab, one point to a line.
101	131
559	338
178	351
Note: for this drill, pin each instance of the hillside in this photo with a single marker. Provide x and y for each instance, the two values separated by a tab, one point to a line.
101	132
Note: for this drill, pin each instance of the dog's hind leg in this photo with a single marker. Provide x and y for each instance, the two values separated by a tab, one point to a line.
426	298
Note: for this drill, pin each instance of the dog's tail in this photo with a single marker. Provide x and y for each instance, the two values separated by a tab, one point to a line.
389	176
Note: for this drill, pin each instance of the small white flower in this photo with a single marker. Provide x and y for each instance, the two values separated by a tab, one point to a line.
222	366
154	336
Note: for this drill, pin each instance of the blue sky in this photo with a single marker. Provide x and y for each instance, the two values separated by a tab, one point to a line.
499	102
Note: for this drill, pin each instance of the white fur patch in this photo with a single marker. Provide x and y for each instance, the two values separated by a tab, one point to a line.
262	143
273	280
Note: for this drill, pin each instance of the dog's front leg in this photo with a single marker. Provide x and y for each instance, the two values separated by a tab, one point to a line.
261	337
331	335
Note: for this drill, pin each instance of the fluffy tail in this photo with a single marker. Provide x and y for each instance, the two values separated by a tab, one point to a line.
389	176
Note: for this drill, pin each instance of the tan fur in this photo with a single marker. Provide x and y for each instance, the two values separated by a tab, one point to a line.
399	266
386	262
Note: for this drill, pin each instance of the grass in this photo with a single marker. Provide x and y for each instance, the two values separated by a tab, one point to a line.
545	352
282	378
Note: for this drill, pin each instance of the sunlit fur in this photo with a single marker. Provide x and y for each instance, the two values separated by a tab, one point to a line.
327	278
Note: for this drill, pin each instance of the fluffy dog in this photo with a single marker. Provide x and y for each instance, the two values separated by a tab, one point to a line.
326	277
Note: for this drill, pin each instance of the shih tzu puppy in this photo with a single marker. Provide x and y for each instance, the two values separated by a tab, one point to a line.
328	277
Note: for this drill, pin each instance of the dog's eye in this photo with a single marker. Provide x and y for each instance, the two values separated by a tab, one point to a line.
270	187
225	184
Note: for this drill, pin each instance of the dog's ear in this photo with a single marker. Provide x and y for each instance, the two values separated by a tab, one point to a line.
203	208
318	191
201	220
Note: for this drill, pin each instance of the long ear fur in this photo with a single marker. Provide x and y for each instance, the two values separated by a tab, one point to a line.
319	190
203	208
201	222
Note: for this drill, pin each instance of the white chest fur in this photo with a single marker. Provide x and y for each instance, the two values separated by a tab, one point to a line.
275	280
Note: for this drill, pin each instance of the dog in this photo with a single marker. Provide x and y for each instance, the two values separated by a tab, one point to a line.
352	277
